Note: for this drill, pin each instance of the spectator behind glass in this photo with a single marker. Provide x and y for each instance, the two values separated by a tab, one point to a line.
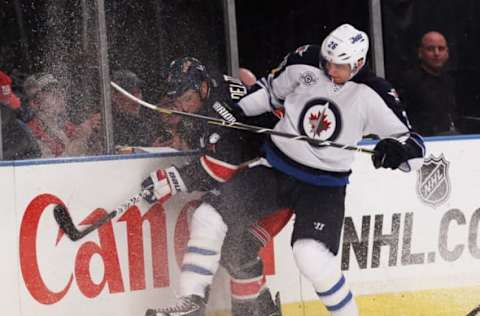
428	91
13	100
17	141
133	125
174	129
7	97
56	135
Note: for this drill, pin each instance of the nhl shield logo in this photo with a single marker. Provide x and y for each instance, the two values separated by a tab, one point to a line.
433	183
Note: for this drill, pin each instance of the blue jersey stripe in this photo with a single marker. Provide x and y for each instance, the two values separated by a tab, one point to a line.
280	164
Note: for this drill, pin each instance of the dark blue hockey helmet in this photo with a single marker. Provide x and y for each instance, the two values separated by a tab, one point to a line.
184	74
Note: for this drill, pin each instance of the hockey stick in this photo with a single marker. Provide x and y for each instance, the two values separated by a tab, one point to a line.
241	126
475	311
64	220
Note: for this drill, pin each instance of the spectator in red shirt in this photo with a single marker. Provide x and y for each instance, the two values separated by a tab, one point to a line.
56	135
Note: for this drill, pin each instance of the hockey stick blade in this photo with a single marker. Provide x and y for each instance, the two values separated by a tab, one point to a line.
475	311
65	222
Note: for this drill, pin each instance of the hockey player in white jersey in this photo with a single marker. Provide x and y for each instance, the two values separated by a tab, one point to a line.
317	88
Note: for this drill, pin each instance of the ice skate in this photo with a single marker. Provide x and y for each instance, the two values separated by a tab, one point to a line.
192	305
266	306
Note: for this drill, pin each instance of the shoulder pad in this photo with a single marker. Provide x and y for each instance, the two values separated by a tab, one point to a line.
381	86
304	55
385	90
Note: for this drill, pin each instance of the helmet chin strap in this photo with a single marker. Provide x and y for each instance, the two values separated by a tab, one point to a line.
353	73
357	68
207	95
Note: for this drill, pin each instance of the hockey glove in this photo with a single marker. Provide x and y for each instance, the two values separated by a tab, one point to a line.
389	153
162	184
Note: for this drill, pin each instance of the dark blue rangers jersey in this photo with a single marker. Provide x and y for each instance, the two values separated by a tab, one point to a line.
222	149
317	107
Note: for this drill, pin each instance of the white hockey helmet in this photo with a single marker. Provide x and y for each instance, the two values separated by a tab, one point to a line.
346	45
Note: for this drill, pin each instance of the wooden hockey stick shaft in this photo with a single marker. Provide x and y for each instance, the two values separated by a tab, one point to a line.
241	126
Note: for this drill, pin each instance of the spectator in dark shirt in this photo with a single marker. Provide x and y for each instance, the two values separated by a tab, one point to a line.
133	125
428	91
17	141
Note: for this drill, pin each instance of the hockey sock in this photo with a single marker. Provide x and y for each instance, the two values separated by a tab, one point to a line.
202	255
318	264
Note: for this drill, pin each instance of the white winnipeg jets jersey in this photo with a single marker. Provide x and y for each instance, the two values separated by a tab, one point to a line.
316	107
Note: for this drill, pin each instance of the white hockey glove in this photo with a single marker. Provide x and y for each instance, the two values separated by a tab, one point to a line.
162	184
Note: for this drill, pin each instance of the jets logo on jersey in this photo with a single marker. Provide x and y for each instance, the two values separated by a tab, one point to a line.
308	78
302	50
320	119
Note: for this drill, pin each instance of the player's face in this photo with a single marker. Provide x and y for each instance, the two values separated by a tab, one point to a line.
190	101
340	73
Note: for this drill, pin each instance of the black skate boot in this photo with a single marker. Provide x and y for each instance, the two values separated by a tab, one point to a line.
263	305
244	307
192	305
266	306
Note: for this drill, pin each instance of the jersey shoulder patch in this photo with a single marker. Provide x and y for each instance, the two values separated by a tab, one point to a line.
304	55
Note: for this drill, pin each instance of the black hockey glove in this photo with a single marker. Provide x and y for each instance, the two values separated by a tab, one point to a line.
389	153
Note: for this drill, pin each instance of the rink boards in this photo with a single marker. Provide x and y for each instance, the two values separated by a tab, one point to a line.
410	243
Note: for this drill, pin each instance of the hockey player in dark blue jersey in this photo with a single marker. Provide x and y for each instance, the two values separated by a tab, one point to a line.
324	97
222	152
